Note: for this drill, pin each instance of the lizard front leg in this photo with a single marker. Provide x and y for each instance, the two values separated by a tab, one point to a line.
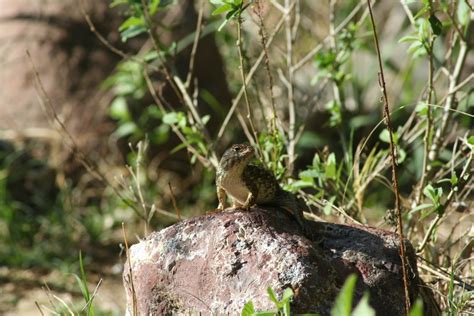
236	204
221	195
249	201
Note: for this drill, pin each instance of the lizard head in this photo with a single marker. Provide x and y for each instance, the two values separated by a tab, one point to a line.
236	156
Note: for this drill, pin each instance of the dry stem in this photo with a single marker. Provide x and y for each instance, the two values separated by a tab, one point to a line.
250	76
263	38
429	123
450	101
244	84
197	35
290	87
393	161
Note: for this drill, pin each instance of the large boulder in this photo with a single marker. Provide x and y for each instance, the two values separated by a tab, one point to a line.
218	262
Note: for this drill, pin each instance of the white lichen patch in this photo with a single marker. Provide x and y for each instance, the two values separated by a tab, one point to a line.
145	251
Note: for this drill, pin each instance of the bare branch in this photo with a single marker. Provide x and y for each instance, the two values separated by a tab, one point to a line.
388	123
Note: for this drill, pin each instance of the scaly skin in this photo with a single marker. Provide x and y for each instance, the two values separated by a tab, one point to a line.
249	185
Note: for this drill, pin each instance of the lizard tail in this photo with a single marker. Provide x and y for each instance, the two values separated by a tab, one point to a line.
291	204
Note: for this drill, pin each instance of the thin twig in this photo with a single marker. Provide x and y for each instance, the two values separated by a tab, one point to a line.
101	38
394	162
197	35
309	56
408	12
205	161
141	150
39	308
445	275
250	76
337	88
291	101
245	128
429	121
89	302
464	178
297	20
156	45
263	39
187	100
173	199
450	101
53	117
127	252
244	82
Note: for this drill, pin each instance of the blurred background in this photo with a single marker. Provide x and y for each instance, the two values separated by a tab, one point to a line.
113	115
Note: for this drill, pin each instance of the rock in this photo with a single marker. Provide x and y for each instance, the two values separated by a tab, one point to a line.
216	263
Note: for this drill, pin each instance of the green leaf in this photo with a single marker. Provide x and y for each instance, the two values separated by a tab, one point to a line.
248	309
327	210
436	25
470	140
286	300
132	21
272	296
434	194
417	308
417	49
401	155
335	109
117	3
125	129
132	32
385	136
454	179
408	38
316	161
171	118
222	9
343	303
310	174
300	184
422	109
83	284
419	208
217	2
205	119
84	290
153	6
463	12
423	29
232	13
178	148
119	109
424	10
363	308
287	295
331	167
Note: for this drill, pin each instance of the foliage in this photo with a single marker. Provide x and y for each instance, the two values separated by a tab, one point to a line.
342	305
282	306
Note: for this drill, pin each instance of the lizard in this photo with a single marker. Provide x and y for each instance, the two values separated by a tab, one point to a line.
249	185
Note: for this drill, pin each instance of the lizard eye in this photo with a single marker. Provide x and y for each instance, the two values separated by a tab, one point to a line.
237	149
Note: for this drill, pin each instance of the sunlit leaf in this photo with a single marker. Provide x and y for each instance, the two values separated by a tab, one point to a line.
463	12
363	308
248	309
343	303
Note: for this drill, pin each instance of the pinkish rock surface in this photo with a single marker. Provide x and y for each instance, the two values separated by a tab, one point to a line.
216	263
